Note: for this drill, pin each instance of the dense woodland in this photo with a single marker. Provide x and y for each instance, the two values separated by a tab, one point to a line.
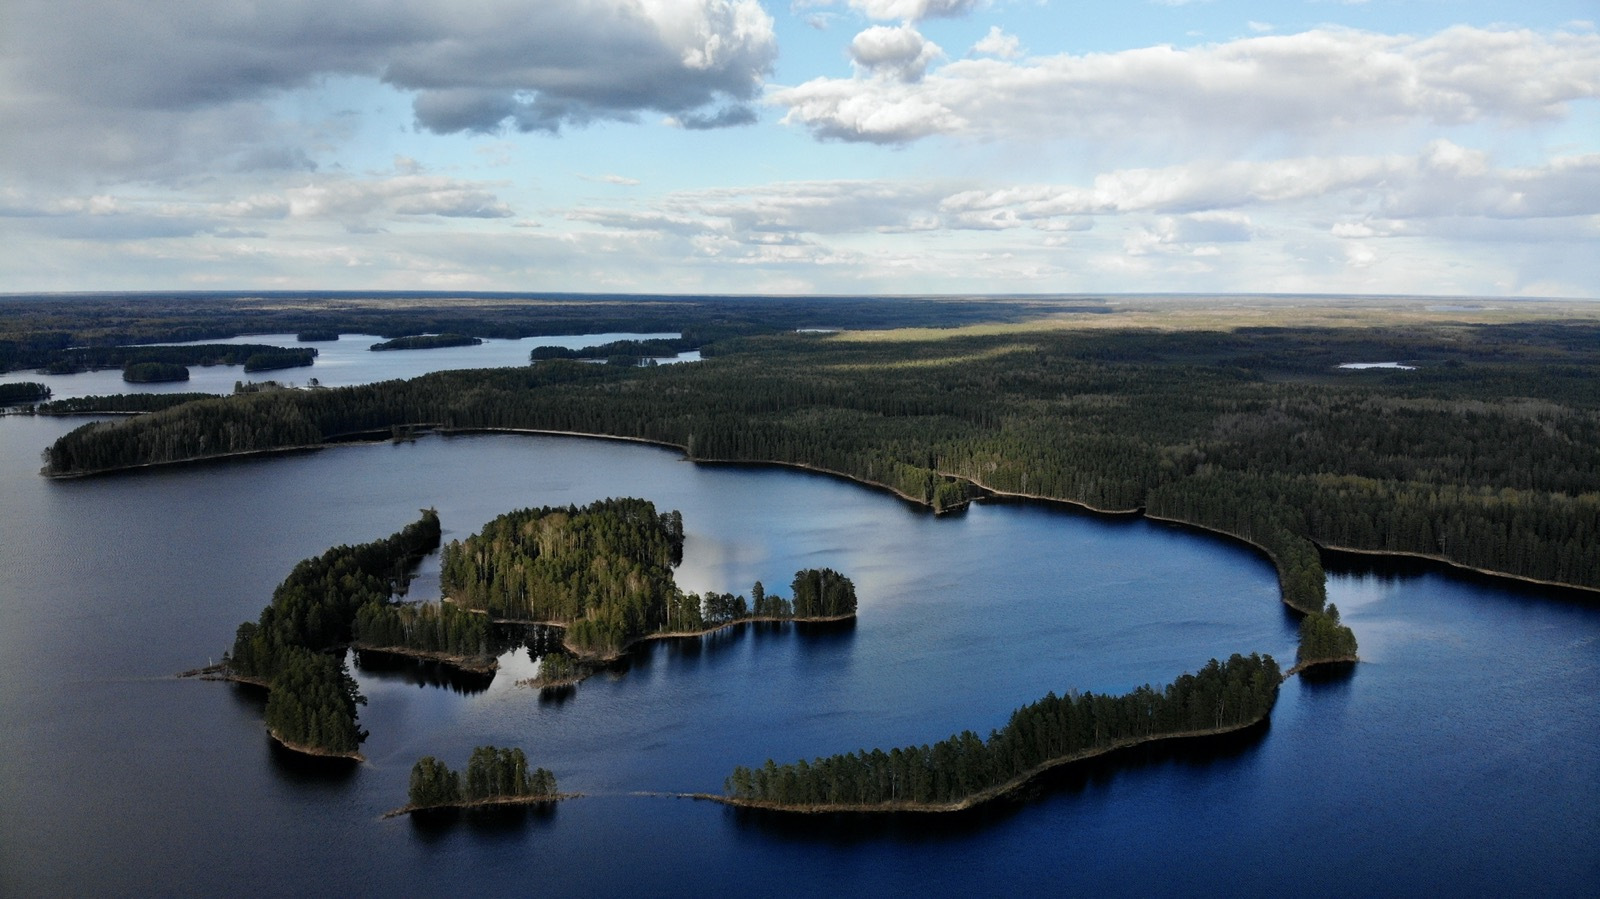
253	356
492	774
426	342
32	328
119	403
1488	455
819	593
618	349
313	698
603	570
153	372
426	627
18	392
967	767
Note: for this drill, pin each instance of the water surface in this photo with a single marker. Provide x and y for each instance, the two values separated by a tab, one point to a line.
1462	755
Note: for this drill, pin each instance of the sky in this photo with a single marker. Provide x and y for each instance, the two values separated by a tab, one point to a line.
1446	147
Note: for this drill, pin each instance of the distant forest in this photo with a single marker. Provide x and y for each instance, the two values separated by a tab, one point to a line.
1487	455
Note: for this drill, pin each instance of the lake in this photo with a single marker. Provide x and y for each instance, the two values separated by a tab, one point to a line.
1462	756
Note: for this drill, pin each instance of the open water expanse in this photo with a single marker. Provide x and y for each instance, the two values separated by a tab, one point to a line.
1462	756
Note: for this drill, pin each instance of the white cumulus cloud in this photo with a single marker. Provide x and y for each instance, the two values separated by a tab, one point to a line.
1324	81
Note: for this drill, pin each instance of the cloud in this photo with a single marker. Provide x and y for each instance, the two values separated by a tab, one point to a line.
1322	82
352	202
124	87
1442	180
901	52
915	10
998	43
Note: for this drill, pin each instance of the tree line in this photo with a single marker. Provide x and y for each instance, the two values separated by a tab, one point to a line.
818	593
966	767
312	699
618	349
66	360
604	570
492	774
18	392
1486	456
426	342
427	627
152	372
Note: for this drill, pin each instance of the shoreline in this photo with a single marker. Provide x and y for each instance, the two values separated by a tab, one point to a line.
1138	511
471	804
314	751
1300	667
601	660
981	797
469	664
1458	566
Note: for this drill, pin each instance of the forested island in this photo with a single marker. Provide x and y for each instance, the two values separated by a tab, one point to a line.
966	769
634	350
20	392
253	356
426	342
495	776
291	649
604	573
154	372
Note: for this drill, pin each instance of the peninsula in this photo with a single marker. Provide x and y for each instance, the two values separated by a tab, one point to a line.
967	770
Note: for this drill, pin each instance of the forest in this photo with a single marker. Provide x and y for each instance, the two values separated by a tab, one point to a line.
312	698
966	768
493	774
425	342
32	328
1486	456
253	356
433	628
604	572
618	349
153	372
19	392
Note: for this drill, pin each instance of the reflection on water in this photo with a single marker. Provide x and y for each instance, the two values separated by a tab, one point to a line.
387	666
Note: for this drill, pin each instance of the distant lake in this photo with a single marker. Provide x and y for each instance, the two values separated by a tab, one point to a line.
1463	756
346	361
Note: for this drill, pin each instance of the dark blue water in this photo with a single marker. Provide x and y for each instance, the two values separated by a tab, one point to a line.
1462	756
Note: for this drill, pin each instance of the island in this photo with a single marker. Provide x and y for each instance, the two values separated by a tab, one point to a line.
967	770
22	392
280	359
426	342
603	573
495	777
634	350
294	649
154	372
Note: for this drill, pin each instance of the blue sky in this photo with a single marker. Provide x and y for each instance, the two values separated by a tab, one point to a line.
815	146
